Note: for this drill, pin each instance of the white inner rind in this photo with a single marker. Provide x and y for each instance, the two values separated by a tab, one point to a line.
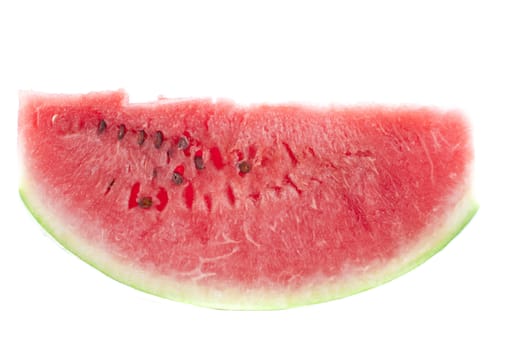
317	290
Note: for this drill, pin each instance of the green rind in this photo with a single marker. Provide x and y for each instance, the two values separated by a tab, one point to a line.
264	297
70	249
473	209
417	262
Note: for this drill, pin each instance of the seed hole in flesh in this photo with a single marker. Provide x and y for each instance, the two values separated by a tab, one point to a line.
158	139
265	161
163	198
252	151
121	131
135	189
208	201
102	125
239	155
216	158
180	169
230	195
188	194
141	137
255	196
145	202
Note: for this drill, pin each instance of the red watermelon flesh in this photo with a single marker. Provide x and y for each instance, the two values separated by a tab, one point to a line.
245	207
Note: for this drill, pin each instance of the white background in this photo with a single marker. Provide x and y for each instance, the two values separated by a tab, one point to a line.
465	55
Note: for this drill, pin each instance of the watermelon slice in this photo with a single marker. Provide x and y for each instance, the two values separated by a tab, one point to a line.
245	207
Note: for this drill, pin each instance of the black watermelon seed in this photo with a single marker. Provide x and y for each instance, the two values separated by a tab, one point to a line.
121	131
141	137
183	143
158	139
145	202
198	163
244	167
177	178
102	125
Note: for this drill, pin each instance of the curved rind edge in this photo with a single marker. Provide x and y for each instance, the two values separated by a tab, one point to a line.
260	299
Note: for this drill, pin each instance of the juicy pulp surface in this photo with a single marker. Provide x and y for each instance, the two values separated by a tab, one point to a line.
329	195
